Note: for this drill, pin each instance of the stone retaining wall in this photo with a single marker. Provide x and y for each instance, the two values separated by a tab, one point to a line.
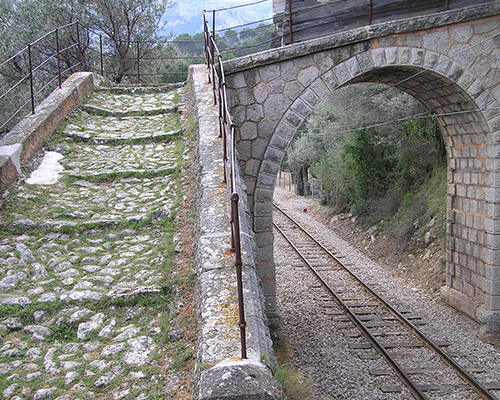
19	146
222	373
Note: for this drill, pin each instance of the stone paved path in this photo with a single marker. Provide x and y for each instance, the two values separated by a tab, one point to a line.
88	305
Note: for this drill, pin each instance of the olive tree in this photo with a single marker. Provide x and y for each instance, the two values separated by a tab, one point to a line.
362	145
124	23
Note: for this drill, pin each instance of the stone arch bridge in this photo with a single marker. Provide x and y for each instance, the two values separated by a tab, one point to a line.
450	61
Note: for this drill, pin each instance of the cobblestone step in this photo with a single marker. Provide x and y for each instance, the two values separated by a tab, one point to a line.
87	294
138	102
127	129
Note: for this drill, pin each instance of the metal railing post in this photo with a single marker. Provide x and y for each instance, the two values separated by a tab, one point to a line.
212	44
31	80
290	21
213	26
102	56
239	276
138	64
58	59
79	47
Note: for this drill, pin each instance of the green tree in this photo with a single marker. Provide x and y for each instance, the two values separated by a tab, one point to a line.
231	38
124	22
175	65
8	43
190	45
19	26
370	160
300	157
421	151
358	167
247	34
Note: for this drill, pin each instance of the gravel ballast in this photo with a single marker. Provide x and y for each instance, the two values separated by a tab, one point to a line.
319	349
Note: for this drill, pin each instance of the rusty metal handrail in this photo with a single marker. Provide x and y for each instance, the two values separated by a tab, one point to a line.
227	130
40	64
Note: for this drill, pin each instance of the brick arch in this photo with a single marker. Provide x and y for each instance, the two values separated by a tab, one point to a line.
272	101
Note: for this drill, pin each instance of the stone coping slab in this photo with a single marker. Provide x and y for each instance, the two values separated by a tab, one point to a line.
229	376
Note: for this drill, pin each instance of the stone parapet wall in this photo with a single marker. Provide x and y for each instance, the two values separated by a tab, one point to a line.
222	373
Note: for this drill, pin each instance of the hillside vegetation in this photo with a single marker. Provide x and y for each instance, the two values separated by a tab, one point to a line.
379	156
231	43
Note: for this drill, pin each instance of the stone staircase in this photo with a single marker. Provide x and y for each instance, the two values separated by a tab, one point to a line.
90	305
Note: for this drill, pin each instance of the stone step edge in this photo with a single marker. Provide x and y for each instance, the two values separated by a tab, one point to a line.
95	139
133	88
69	226
85	296
137	173
105	112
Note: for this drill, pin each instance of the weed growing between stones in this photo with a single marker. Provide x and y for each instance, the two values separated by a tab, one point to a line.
295	385
96	271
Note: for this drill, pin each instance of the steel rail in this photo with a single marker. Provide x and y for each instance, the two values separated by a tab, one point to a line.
461	372
407	381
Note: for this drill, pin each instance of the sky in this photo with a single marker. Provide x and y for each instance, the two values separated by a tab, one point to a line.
187	15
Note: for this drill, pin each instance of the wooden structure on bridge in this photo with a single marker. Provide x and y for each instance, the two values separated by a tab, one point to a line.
300	20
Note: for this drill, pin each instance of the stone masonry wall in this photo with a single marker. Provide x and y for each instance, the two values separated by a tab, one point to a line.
228	376
449	61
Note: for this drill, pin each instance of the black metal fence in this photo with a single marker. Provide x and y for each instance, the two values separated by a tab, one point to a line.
30	75
140	62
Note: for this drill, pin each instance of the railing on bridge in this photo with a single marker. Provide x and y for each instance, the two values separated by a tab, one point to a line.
227	128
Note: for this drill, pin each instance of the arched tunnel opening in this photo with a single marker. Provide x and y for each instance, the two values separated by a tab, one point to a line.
374	153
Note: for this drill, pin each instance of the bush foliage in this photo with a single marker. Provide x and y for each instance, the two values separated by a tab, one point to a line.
368	152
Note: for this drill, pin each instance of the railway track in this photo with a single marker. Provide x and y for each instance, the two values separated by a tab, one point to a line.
423	366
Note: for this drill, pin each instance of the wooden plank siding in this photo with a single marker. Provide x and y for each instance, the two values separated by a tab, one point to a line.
315	18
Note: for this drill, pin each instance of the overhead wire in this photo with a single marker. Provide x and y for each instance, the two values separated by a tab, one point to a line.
427	114
243	25
245	47
241	5
424	115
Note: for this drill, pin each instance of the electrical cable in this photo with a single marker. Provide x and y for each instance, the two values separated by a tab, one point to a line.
424	115
245	47
243	25
241	5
